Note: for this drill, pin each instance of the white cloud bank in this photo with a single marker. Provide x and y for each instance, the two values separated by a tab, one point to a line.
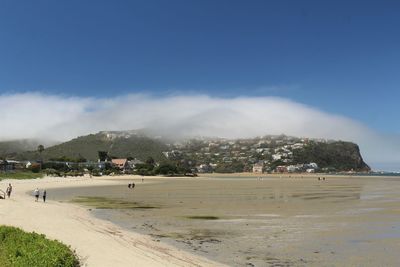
34	115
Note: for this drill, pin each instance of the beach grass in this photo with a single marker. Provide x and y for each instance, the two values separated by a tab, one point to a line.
20	175
19	248
110	203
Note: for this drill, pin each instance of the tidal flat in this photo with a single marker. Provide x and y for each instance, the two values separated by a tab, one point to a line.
247	221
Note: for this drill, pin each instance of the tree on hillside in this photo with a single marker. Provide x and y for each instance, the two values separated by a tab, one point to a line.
81	158
40	149
150	161
166	169
103	155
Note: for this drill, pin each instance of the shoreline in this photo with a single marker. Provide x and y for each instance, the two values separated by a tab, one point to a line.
96	242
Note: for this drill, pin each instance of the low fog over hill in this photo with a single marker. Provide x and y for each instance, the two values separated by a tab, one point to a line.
63	118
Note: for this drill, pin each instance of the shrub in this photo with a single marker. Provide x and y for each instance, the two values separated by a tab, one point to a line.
35	168
19	248
166	169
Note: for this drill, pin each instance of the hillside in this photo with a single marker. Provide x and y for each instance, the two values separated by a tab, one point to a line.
336	155
12	148
283	152
117	145
214	154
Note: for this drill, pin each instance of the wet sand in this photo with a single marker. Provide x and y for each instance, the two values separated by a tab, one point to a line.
96	242
245	221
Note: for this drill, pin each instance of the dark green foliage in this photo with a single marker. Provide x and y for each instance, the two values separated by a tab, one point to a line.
166	169
230	167
36	168
67	159
59	166
103	155
144	169
20	249
40	148
340	155
150	161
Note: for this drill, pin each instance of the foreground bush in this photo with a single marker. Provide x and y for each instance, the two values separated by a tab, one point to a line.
20	249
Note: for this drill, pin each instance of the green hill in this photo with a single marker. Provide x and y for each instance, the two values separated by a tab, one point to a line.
115	143
236	155
343	156
12	148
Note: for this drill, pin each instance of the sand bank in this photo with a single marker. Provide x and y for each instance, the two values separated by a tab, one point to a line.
97	242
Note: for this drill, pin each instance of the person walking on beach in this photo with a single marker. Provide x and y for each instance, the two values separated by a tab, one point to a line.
9	190
36	193
44	195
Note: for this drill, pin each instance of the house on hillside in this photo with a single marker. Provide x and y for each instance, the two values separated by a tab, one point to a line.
121	164
6	166
281	169
28	164
11	165
258	167
205	168
132	163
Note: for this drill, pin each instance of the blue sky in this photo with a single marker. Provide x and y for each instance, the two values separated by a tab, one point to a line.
341	57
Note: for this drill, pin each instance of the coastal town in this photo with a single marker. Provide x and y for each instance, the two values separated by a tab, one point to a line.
267	154
257	155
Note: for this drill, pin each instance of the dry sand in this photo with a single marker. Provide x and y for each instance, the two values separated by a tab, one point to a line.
97	242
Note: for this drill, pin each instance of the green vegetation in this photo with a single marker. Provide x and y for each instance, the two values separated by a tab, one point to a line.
20	175
109	203
339	156
182	158
12	148
87	148
20	249
230	156
230	167
144	169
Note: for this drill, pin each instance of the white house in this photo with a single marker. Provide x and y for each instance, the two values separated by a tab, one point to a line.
258	167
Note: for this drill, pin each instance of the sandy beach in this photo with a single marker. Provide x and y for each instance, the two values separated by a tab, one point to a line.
237	220
96	242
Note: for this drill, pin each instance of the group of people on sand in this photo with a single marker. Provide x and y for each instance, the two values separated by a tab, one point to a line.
36	193
319	178
132	185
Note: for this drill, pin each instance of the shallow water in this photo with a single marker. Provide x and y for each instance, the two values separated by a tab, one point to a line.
269	222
